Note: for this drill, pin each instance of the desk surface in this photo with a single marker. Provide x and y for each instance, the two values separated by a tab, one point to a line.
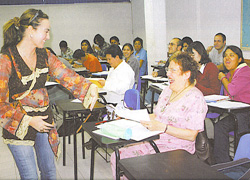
102	141
68	106
177	164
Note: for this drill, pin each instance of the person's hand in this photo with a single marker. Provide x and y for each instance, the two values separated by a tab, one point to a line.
102	82
94	96
154	125
209	49
154	74
221	75
38	123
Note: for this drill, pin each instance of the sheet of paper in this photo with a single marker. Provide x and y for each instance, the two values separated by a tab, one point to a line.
137	115
214	98
76	101
228	104
150	77
100	73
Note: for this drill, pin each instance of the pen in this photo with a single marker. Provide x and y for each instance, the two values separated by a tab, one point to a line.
100	122
83	123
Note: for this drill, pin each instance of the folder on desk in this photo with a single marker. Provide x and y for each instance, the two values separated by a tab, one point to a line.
96	81
138	131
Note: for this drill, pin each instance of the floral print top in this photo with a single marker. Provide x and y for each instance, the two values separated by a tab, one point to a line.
187	112
23	93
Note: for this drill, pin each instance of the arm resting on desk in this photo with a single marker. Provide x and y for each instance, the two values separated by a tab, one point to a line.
154	125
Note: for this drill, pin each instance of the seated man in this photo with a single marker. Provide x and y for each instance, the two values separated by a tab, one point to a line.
66	52
120	77
87	60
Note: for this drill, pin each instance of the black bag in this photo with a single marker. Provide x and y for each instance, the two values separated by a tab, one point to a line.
202	147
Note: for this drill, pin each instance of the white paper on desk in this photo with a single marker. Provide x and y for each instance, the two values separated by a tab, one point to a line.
150	77
215	97
76	101
80	69
228	104
137	115
160	85
100	73
139	132
50	83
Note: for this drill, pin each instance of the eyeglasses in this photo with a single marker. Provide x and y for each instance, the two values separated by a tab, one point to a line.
172	70
172	44
35	16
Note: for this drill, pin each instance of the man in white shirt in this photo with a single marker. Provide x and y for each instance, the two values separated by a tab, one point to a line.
120	77
216	52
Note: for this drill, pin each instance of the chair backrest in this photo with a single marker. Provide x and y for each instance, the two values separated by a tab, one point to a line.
132	99
243	148
139	84
104	67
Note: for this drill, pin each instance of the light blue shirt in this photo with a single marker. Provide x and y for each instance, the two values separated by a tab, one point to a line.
142	55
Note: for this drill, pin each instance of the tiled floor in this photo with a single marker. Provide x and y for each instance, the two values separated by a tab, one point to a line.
8	168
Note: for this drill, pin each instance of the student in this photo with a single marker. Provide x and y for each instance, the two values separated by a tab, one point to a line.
174	45
86	47
87	60
179	113
120	77
26	116
216	52
101	47
141	55
236	85
66	52
207	77
115	40
128	53
186	41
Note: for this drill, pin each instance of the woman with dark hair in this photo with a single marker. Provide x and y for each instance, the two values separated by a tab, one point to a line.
186	41
237	86
86	47
26	115
101	46
179	113
207	78
128	53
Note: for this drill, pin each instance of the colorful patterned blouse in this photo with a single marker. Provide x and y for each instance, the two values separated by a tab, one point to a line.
23	94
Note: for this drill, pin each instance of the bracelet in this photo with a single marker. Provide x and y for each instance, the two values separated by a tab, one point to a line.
223	78
166	128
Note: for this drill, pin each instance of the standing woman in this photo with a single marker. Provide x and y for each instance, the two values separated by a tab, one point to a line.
207	77
26	116
128	51
86	47
236	85
141	55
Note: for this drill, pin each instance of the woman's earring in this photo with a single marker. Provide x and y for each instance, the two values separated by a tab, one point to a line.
31	36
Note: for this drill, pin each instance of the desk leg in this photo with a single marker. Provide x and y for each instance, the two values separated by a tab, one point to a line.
83	141
154	146
75	149
235	132
92	159
117	158
152	101
64	143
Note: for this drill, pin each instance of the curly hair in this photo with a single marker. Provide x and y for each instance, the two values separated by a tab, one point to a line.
186	64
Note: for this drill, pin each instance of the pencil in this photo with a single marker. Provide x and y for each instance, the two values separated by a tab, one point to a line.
83	123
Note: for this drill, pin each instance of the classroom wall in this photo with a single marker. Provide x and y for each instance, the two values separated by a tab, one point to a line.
75	22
